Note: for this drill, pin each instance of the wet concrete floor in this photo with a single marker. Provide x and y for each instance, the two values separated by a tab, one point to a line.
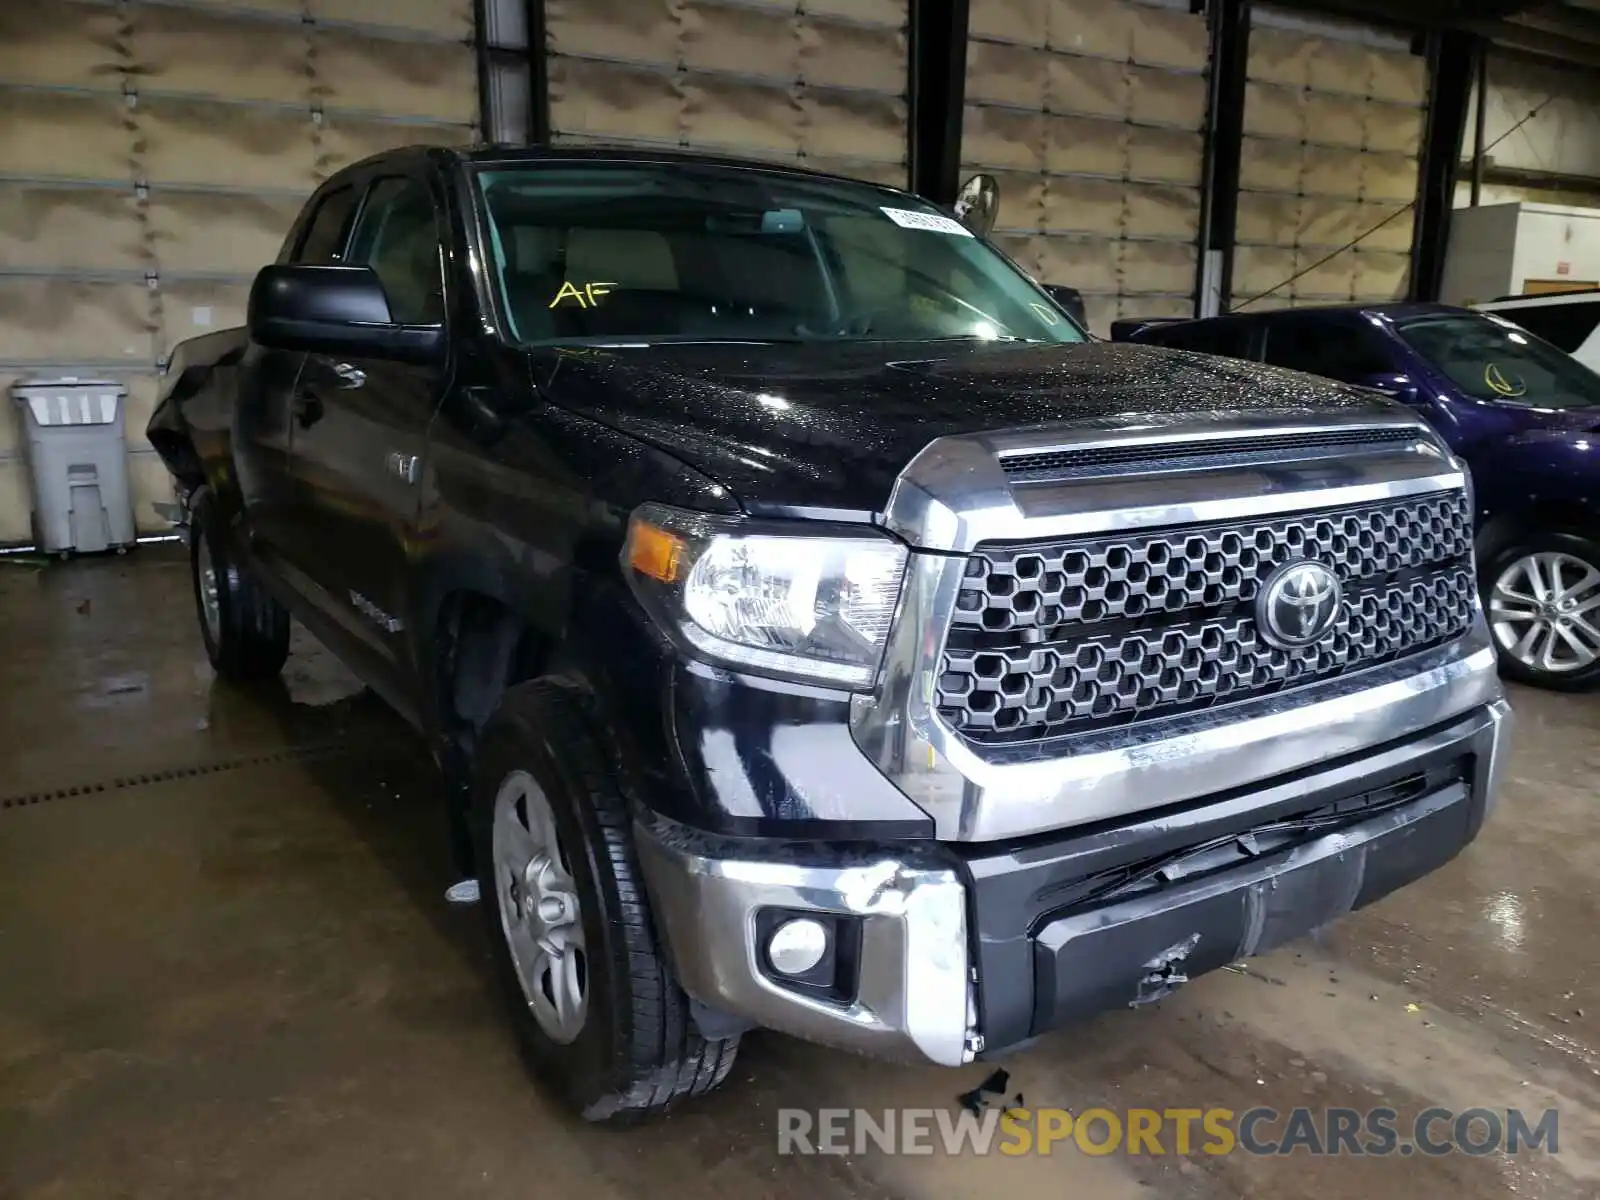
226	969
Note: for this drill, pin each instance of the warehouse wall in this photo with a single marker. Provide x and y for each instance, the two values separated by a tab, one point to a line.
821	83
1564	138
153	154
1334	115
1088	112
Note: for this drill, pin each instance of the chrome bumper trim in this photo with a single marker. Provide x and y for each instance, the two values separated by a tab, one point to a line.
913	1001
1493	747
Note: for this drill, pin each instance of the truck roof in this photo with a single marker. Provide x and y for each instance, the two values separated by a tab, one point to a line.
1382	308
608	152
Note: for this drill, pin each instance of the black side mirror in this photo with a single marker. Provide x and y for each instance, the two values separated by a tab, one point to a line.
1069	298
1394	385
1132	329
334	310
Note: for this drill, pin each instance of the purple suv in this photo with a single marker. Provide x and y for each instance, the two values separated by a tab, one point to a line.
1524	415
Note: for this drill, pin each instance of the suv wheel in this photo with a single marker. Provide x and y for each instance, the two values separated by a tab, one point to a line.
1542	596
246	631
594	1003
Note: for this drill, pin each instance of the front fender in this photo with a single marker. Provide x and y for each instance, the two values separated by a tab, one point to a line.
1541	477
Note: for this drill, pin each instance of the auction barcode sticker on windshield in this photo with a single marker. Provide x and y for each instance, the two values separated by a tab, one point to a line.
910	218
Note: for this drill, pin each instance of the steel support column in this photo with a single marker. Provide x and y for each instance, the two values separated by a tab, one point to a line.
513	84
1452	66
480	54
936	91
1228	22
1480	119
538	73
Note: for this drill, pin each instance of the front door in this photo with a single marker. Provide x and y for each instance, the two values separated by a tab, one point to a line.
361	440
268	400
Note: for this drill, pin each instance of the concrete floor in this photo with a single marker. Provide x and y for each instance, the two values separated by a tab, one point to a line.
226	969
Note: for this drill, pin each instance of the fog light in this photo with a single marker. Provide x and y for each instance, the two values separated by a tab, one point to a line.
796	946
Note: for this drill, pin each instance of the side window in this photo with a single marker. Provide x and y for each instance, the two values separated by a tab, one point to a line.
1332	349
323	236
397	235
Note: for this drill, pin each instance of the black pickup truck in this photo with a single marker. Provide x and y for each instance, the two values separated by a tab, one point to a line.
816	629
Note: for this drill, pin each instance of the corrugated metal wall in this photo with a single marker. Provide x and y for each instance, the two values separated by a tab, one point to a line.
1334	116
1562	139
153	154
822	82
1089	113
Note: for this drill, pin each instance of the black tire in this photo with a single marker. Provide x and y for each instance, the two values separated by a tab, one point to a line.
247	638
1503	558
638	1052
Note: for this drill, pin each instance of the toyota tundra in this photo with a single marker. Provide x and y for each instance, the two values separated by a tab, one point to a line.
815	628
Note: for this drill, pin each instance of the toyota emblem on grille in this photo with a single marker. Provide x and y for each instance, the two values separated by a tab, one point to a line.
1298	604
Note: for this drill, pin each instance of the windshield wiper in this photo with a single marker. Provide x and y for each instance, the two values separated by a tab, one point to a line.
1009	338
645	343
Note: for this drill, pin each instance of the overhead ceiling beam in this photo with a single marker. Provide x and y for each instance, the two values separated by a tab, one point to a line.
1525	177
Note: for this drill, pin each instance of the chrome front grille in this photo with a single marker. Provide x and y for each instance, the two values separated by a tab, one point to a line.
1059	637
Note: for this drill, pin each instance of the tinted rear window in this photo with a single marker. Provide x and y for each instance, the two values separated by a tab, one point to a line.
1231	339
1335	349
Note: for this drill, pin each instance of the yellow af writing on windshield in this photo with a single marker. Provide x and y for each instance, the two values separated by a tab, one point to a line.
587	296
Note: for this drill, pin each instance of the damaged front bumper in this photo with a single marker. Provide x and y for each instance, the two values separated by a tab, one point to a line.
958	949
896	980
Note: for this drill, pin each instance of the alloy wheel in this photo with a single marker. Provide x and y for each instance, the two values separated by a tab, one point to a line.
210	602
1544	610
539	909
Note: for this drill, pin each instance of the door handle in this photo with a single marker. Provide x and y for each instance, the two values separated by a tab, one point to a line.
307	409
348	375
407	466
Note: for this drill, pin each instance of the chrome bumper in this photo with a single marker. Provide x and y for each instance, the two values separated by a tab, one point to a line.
918	967
915	996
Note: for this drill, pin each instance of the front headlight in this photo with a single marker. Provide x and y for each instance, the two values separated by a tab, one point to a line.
805	606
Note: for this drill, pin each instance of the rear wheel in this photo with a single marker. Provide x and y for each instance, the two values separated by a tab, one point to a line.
594	1002
246	631
1542	595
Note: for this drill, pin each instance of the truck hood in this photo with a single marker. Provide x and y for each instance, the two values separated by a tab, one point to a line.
826	428
1485	431
1559	422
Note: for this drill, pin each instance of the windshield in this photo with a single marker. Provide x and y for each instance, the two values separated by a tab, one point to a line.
645	252
1489	358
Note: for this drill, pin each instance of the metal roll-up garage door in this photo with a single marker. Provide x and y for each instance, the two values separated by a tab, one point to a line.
1089	113
153	154
821	83
1334	117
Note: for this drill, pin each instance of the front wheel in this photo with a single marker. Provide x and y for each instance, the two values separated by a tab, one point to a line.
1542	596
595	1005
246	631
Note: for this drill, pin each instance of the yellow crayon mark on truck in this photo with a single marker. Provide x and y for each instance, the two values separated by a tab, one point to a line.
587	296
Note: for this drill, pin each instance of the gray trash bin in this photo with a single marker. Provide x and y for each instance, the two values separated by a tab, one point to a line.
78	458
